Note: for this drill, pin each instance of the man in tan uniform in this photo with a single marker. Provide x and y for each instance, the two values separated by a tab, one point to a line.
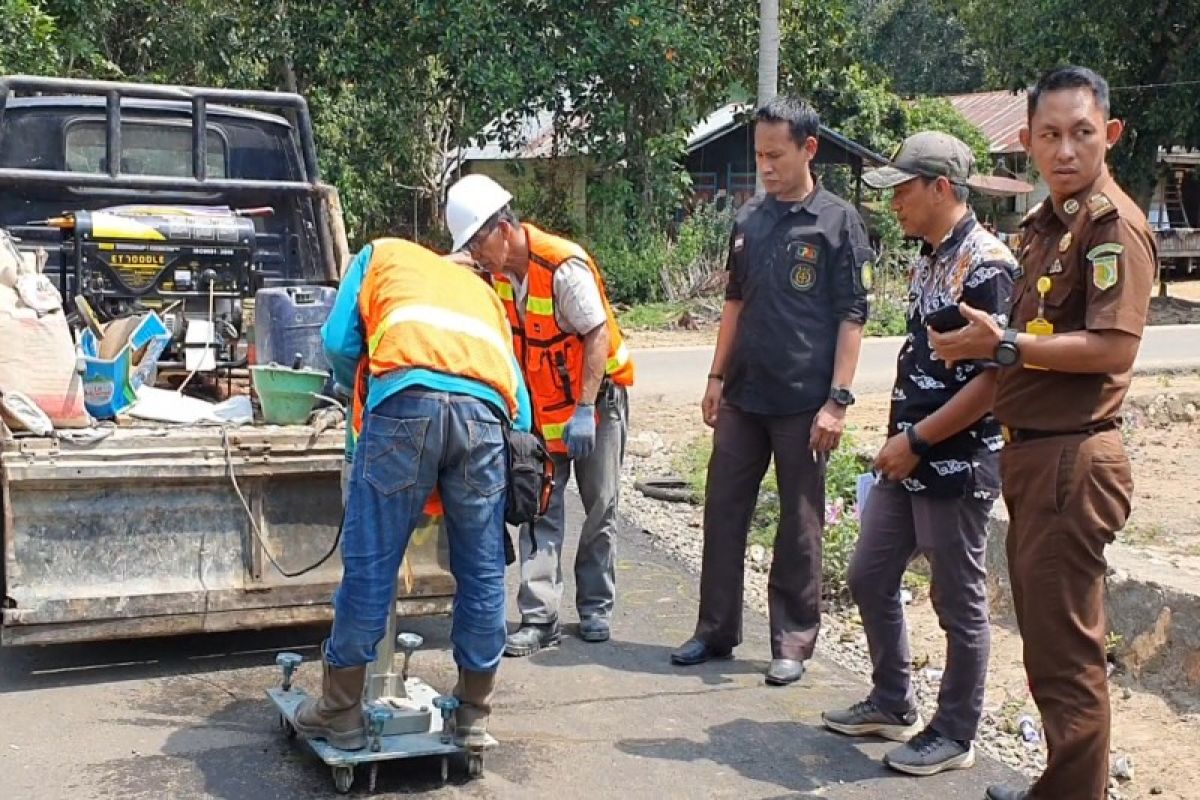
1088	261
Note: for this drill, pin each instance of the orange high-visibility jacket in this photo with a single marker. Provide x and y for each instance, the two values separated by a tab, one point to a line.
420	312
551	358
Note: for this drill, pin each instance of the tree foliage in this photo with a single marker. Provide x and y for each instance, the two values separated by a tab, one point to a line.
1149	52
398	87
923	45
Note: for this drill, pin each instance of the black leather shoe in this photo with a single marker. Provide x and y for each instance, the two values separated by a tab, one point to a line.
694	651
999	792
784	671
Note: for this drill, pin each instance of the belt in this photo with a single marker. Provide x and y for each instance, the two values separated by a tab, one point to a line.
1028	434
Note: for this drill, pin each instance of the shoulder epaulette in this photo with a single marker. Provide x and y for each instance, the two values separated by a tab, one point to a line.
1099	206
1032	213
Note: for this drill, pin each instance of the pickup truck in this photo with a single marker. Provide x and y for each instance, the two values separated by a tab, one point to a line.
165	529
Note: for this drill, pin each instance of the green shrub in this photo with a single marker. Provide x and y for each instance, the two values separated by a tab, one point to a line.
888	315
631	267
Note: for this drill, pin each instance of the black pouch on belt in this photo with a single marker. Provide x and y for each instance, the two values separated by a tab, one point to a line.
530	483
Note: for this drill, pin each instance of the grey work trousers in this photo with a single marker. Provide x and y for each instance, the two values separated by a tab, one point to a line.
598	478
952	534
743	445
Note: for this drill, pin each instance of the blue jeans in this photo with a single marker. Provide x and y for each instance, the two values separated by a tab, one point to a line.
413	441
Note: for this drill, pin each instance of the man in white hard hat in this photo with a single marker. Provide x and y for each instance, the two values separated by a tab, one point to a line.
578	370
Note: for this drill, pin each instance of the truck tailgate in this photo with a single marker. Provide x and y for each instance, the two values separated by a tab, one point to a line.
144	534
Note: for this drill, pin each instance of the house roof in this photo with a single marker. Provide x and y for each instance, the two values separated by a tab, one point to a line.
729	117
535	139
998	115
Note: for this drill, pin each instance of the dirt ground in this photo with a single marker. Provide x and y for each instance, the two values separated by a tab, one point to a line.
1159	738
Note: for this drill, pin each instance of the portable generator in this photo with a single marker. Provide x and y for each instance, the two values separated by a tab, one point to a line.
192	265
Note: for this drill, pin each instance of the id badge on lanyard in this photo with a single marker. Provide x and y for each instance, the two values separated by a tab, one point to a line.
1039	325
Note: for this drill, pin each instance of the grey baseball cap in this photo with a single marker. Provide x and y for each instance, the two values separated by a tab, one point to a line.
928	154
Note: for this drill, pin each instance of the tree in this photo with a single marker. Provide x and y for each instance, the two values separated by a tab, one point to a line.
26	39
922	45
1149	52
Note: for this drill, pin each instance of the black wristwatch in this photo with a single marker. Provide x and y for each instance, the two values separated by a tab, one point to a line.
1007	352
841	396
918	445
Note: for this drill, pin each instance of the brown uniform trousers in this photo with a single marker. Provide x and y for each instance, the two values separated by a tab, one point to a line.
1066	495
1065	476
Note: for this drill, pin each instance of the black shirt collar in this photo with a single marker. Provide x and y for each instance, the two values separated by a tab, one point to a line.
812	203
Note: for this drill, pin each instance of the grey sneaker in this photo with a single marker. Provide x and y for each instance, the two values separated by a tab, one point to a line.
929	753
866	719
530	638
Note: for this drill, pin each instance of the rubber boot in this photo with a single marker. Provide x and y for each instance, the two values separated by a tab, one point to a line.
474	692
336	716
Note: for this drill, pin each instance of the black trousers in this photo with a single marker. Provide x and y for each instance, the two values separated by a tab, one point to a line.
743	445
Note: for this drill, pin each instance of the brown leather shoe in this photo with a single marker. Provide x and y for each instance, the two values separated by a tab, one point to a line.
474	691
336	716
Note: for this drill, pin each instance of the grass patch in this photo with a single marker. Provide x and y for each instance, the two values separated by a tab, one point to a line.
841	488
651	316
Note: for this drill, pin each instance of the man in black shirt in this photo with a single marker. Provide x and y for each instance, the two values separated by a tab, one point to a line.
795	305
938	473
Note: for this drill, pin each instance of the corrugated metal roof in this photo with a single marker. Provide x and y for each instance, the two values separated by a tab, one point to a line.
998	115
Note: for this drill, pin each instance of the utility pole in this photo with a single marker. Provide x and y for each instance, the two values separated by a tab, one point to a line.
768	50
768	56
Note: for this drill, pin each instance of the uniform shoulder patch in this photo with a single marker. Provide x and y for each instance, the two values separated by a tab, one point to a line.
1105	261
1099	206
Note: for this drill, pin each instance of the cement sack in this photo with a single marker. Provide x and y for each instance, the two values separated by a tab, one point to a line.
37	358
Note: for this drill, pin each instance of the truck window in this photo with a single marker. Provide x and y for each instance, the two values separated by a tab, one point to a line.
146	149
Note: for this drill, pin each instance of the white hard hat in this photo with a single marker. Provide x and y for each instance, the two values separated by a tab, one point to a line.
471	202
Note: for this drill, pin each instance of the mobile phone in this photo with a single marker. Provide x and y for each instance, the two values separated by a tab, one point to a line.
946	319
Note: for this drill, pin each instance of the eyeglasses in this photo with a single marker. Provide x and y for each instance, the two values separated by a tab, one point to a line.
475	246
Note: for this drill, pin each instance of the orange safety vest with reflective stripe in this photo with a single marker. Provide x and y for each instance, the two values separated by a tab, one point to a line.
551	358
421	311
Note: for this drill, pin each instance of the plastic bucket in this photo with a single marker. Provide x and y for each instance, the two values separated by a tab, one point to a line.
287	395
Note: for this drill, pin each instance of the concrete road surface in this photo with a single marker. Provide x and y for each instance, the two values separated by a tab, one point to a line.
177	719
678	374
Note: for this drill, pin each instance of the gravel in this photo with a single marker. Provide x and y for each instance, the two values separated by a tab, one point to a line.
677	528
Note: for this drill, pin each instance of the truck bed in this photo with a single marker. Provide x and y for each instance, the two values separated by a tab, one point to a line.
143	533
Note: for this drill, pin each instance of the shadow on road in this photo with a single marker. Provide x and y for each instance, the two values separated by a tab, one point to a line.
795	757
638	657
53	666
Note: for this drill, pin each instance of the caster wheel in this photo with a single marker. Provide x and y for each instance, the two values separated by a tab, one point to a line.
445	769
372	778
474	765
289	730
343	779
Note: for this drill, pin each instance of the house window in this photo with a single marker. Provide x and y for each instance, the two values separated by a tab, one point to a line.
742	186
704	187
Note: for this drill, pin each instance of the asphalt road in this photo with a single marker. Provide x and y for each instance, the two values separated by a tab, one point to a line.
677	374
181	719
